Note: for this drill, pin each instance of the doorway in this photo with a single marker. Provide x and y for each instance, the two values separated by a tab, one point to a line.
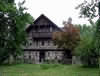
42	56
67	57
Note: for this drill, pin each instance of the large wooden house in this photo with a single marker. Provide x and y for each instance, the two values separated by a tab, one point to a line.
41	47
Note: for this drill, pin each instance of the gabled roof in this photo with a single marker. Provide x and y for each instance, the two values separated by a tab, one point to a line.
40	17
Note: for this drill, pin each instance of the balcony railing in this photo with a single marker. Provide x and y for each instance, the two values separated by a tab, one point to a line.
42	35
40	47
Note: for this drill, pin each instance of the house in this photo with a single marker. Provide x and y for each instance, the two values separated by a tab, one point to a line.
41	47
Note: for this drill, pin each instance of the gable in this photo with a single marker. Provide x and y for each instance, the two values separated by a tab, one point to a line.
42	20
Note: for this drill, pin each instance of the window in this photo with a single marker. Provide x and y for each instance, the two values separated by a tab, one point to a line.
30	43
29	56
36	43
55	44
48	43
50	29
42	43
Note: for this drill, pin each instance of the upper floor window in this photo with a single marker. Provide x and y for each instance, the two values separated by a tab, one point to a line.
50	29
42	43
36	43
48	43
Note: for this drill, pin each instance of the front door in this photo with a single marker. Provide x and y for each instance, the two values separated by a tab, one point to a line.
42	56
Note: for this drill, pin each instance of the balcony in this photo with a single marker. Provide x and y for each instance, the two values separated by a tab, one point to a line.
42	34
44	48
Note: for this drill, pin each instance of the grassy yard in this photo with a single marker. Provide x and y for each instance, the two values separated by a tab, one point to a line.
47	70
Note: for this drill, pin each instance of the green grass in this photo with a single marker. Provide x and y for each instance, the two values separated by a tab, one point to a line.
47	70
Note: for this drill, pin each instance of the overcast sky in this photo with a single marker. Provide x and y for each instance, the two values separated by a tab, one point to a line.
56	10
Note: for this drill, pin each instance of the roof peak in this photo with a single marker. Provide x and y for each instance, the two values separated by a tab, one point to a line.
46	18
43	15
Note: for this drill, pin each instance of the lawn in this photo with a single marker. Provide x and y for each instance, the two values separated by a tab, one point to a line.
47	70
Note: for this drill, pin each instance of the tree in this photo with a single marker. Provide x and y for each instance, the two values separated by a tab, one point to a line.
85	49
68	38
89	10
13	23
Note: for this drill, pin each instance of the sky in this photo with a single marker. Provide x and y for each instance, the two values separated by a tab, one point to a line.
56	10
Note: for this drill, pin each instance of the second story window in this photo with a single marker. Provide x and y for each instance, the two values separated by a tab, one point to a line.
37	43
50	29
48	43
42	43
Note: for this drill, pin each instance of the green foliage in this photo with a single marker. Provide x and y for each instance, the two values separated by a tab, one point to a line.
86	30
86	49
88	9
13	23
68	39
90	46
97	38
8	1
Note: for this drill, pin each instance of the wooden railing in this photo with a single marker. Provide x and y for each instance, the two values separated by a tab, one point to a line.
41	34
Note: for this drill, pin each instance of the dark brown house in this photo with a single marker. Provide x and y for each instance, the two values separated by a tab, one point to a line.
41	47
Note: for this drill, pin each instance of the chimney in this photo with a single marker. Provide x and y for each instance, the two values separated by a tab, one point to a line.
69	20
